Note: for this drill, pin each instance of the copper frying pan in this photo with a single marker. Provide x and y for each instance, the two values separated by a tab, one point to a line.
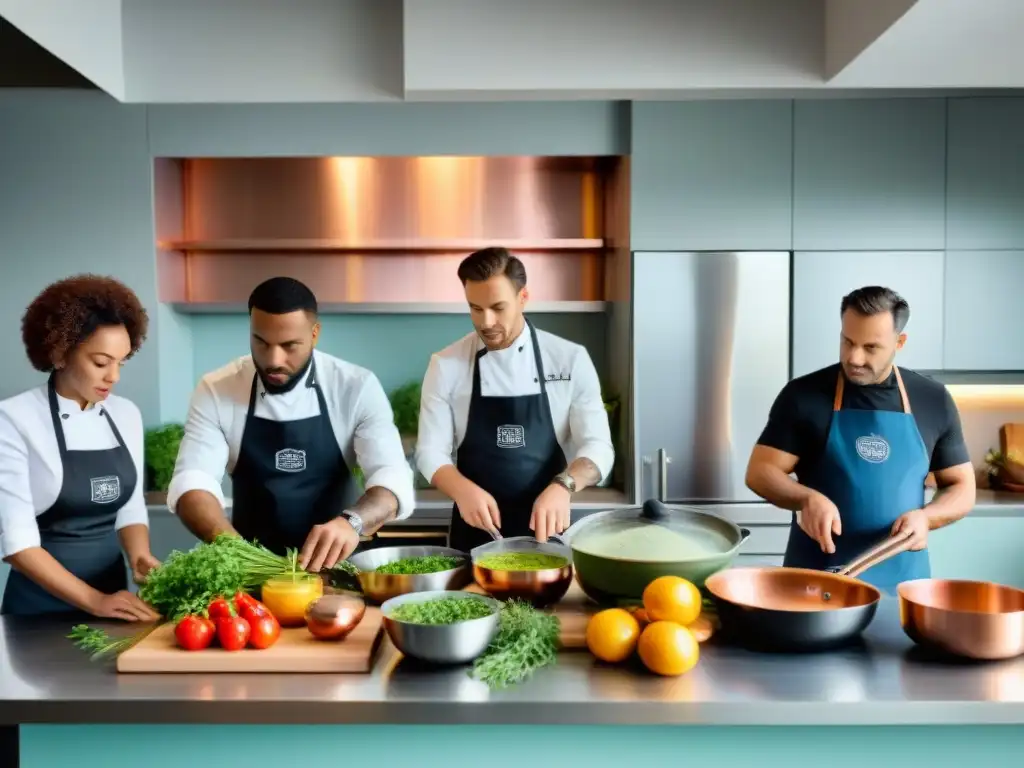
799	609
973	619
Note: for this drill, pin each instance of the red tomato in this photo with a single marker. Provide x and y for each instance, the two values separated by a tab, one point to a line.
220	608
249	608
194	633
233	632
265	631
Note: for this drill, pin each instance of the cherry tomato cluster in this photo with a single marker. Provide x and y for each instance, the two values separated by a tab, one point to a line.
234	624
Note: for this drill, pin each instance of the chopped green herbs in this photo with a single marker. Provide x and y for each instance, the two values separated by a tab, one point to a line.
522	561
422	564
443	610
527	640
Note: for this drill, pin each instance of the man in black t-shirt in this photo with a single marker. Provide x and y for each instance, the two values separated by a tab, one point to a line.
861	437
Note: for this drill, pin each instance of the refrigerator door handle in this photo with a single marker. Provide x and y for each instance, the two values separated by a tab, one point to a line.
663	461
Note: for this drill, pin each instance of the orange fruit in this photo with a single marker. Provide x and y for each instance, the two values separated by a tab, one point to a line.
667	648
671	598
612	635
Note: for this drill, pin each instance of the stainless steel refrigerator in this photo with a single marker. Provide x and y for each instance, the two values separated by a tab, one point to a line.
711	350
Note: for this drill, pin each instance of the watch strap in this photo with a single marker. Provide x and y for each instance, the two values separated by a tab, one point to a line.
354	520
566	480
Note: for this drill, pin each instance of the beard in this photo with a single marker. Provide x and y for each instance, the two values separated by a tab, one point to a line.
278	388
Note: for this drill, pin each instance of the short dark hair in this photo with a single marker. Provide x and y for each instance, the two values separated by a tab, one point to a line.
490	262
69	311
281	295
873	299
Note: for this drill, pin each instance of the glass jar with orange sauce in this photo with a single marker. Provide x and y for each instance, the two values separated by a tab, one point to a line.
288	596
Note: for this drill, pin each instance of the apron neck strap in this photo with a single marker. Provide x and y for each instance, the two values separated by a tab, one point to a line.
837	402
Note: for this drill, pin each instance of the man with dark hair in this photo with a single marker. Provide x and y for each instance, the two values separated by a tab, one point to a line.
510	403
289	423
860	454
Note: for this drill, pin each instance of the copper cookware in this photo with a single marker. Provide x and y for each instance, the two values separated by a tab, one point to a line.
541	588
799	609
973	619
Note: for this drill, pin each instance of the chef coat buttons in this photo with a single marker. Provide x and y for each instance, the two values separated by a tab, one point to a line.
520	349
65	415
534	381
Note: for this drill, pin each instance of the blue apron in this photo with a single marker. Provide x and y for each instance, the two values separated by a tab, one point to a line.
873	470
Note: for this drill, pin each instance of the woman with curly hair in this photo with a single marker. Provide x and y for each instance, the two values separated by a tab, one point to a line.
71	471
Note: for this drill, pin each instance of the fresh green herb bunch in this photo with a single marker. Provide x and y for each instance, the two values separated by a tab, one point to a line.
444	610
422	564
527	640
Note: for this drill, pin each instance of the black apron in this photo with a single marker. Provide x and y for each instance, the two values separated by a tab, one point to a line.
290	476
78	530
511	451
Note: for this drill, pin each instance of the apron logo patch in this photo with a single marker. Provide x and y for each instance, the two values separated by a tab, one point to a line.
290	460
105	490
873	448
511	436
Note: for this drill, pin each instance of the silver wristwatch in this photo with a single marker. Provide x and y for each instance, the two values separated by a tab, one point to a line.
354	520
565	480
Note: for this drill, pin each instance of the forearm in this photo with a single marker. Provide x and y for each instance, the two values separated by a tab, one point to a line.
448	480
776	487
134	540
584	472
376	507
949	504
203	515
41	567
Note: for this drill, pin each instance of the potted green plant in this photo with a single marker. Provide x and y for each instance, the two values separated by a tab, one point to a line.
161	448
405	404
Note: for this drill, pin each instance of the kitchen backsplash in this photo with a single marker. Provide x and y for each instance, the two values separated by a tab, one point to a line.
983	410
396	348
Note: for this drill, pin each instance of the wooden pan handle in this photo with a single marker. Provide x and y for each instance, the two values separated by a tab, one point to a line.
879	553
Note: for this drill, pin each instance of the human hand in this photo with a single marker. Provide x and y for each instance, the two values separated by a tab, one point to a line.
141	566
123	605
328	543
915	521
819	519
478	508
550	512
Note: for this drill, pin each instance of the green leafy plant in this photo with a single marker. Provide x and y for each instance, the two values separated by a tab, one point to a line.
161	446
405	403
527	640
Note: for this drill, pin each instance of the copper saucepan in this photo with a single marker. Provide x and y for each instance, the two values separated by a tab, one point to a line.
799	609
973	619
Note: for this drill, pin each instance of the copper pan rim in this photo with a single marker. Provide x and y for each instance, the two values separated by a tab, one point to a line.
906	589
716	584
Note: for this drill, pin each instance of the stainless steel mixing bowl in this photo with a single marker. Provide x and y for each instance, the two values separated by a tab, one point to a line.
379	587
458	643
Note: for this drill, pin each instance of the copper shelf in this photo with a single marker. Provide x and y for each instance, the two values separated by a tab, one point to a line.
417	246
391	308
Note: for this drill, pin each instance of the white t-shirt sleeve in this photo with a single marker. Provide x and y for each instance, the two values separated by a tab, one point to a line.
203	453
378	446
588	419
435	437
134	511
18	527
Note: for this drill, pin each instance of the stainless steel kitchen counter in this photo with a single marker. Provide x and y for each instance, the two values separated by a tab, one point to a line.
884	680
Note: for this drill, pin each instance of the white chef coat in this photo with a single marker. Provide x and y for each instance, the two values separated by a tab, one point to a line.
358	409
573	388
31	472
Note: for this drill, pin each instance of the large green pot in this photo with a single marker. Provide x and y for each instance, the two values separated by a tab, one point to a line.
711	544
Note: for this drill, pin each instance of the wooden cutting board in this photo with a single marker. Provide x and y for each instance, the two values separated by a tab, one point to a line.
295	651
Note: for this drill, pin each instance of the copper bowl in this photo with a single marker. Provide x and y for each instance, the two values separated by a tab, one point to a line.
333	617
540	588
973	619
